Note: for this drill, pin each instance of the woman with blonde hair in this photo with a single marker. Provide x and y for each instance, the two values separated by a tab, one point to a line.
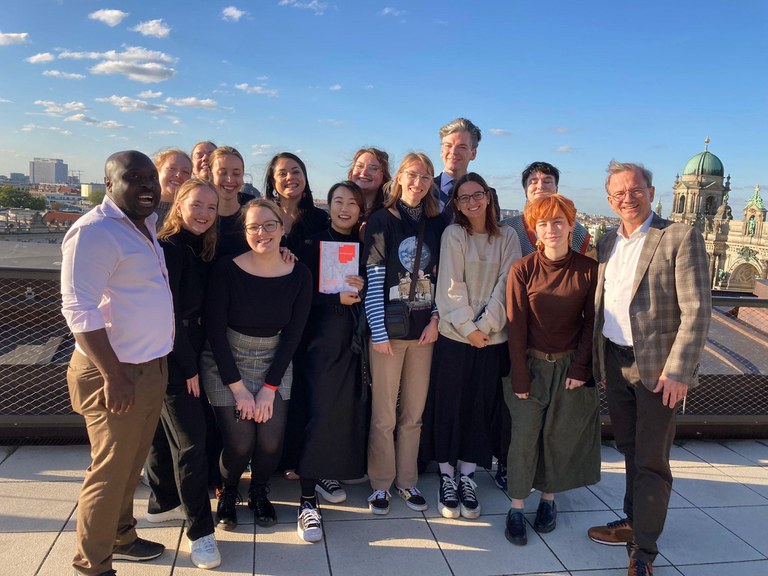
402	251
555	442
370	171
174	168
180	485
227	176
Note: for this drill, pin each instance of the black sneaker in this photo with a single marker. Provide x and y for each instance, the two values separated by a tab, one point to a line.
470	507
378	502
546	517
308	524
515	531
263	512
331	491
138	551
447	497
226	510
501	476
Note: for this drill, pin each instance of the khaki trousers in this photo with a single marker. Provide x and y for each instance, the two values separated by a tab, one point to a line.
405	374
119	445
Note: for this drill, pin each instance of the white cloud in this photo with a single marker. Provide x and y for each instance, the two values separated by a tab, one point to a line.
562	130
131	54
55	109
109	17
33	127
335	88
150	94
41	57
389	11
164	132
232	14
315	5
175	121
13	38
368	86
156	28
256	89
563	149
332	121
499	132
65	75
147	72
108	124
128	104
135	62
193	102
261	149
5	101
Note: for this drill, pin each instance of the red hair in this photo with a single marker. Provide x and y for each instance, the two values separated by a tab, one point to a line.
546	208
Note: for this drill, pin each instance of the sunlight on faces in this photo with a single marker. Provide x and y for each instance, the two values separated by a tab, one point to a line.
197	210
456	152
200	154
540	184
415	181
344	210
472	201
553	233
227	176
635	207
175	170
289	179
257	220
367	172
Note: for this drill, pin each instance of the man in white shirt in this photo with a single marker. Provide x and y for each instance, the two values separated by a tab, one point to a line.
652	311
117	302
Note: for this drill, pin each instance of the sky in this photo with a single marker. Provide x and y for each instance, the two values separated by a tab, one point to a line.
571	83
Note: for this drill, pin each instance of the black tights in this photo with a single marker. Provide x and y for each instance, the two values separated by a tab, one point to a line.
246	441
307	487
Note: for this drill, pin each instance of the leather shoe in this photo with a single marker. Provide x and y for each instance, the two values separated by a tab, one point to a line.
516	531
546	517
138	551
639	568
616	533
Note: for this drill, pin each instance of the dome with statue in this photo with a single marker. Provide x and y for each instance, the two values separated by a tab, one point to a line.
704	164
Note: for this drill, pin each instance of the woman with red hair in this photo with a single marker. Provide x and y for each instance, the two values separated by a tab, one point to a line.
555	422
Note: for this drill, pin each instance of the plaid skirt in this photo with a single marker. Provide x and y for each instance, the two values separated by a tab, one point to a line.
253	356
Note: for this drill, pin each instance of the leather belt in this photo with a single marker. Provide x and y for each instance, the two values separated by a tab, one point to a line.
620	346
549	356
187	322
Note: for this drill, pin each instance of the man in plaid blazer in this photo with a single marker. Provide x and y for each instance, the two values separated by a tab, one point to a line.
653	307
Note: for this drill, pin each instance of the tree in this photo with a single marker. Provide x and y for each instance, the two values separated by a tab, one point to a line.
11	197
96	196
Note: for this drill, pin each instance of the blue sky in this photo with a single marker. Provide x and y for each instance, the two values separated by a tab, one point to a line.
572	83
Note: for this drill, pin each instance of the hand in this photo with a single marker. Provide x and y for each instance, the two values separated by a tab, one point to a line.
479	339
288	256
118	394
193	386
244	401
674	391
601	384
356	282
383	348
349	298
522	396
429	334
572	383
265	401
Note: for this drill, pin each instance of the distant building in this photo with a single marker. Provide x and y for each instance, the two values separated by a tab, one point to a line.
15	179
738	248
86	189
48	171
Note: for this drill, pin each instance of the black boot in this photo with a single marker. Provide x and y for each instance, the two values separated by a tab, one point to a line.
226	511
263	512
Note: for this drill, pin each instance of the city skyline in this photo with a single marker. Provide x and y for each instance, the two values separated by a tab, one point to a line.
570	84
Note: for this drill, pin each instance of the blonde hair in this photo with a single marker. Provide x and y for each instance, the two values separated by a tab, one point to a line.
431	207
261	203
161	157
225	151
173	225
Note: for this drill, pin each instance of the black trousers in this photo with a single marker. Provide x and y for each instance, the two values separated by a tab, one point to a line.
644	430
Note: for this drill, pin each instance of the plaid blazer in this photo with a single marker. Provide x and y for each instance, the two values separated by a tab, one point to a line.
671	303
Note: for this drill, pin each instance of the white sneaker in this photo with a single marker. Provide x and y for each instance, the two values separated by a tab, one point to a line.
308	524
331	491
205	552
172	514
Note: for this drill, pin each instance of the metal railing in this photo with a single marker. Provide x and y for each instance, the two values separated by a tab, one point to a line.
35	346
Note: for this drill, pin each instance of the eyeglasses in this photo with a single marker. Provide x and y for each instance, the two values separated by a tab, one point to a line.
465	198
413	176
634	193
370	168
269	226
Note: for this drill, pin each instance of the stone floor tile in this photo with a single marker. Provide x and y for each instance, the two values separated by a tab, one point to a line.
759	568
715	453
610	457
6	451
479	547
692	537
36	506
281	551
610	490
386	547
492	499
46	464
356	505
657	571
754	450
680	456
750	523
711	487
22	553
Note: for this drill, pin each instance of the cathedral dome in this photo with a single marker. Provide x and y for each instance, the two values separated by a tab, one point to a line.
704	164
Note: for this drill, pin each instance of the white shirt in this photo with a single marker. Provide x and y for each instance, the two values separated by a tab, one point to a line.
619	277
114	277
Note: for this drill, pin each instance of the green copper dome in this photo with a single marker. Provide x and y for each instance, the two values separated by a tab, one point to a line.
704	163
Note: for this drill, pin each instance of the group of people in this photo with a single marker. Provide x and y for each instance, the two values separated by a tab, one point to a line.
206	343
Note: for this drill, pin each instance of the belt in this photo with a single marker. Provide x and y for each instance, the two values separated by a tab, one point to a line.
549	356
620	346
187	322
